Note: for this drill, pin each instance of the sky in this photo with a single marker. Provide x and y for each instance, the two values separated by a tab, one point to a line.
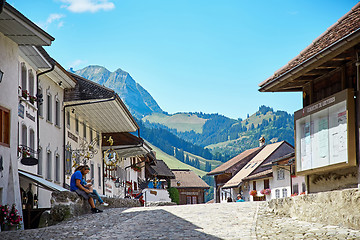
191	55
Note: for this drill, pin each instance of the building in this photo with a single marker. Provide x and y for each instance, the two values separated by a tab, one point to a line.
326	128
130	154
92	110
16	32
227	170
238	184
190	186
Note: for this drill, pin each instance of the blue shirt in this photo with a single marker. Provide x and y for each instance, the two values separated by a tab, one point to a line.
76	175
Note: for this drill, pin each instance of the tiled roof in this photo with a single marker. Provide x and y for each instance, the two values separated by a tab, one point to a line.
263	174
253	164
187	179
344	27
244	156
87	90
160	169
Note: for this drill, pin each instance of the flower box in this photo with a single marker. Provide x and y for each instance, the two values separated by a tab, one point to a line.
253	193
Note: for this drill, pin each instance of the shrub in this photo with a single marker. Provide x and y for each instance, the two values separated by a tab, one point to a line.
174	195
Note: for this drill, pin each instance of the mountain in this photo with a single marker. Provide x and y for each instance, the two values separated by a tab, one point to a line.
135	97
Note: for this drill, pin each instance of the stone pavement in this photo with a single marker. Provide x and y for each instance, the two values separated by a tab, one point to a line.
203	221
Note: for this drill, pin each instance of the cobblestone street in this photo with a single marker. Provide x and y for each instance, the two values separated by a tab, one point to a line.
206	221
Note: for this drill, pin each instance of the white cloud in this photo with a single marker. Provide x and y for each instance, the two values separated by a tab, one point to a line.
54	17
76	63
80	6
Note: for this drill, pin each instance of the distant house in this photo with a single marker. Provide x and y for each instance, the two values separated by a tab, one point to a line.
326	73
227	170
239	184
190	186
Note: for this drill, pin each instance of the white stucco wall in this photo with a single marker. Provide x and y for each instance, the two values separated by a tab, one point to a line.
97	159
280	184
9	179
156	195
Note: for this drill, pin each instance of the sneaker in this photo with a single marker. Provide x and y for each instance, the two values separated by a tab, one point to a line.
104	204
95	210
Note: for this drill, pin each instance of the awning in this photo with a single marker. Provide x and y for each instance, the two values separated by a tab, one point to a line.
125	144
40	182
108	115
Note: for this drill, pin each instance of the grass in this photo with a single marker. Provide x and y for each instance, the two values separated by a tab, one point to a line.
181	121
214	163
174	163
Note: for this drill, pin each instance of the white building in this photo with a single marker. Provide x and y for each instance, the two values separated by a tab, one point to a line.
90	111
15	31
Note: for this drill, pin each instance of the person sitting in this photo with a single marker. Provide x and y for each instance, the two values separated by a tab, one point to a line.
76	186
239	199
87	184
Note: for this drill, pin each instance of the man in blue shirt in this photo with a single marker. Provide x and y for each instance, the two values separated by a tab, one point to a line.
75	186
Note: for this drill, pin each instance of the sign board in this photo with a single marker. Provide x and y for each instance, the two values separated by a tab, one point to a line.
21	110
324	133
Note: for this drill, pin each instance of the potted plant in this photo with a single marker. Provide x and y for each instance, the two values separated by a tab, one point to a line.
24	94
266	191
253	193
32	99
13	219
4	210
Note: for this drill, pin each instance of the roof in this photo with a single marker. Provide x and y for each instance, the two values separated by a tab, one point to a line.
100	106
159	169
260	175
343	30
245	156
21	30
252	165
187	179
126	144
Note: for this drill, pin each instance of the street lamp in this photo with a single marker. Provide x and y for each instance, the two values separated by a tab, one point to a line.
117	183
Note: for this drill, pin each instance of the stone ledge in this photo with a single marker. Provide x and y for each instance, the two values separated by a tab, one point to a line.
65	205
340	207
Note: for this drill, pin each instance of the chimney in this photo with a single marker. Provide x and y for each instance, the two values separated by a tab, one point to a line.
261	141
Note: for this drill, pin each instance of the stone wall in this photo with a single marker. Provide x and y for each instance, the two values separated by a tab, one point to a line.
65	205
341	207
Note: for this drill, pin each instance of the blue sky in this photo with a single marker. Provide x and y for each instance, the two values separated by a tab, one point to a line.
191	55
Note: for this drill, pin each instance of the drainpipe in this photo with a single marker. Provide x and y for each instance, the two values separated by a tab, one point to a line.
38	104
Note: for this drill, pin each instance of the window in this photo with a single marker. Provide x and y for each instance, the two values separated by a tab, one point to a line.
266	183
91	134
49	165
57	113
84	130
303	187
31	83
49	108
40	164
97	139
24	135
32	139
23	77
99	174
277	193
57	170
92	170
77	125
296	188
68	119
40	104
284	192
254	185
4	126
280	174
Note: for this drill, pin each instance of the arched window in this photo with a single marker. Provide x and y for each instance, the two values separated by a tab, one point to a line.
23	77
31	83
24	135
32	140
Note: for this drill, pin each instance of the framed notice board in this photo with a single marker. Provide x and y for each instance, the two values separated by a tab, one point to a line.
325	134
